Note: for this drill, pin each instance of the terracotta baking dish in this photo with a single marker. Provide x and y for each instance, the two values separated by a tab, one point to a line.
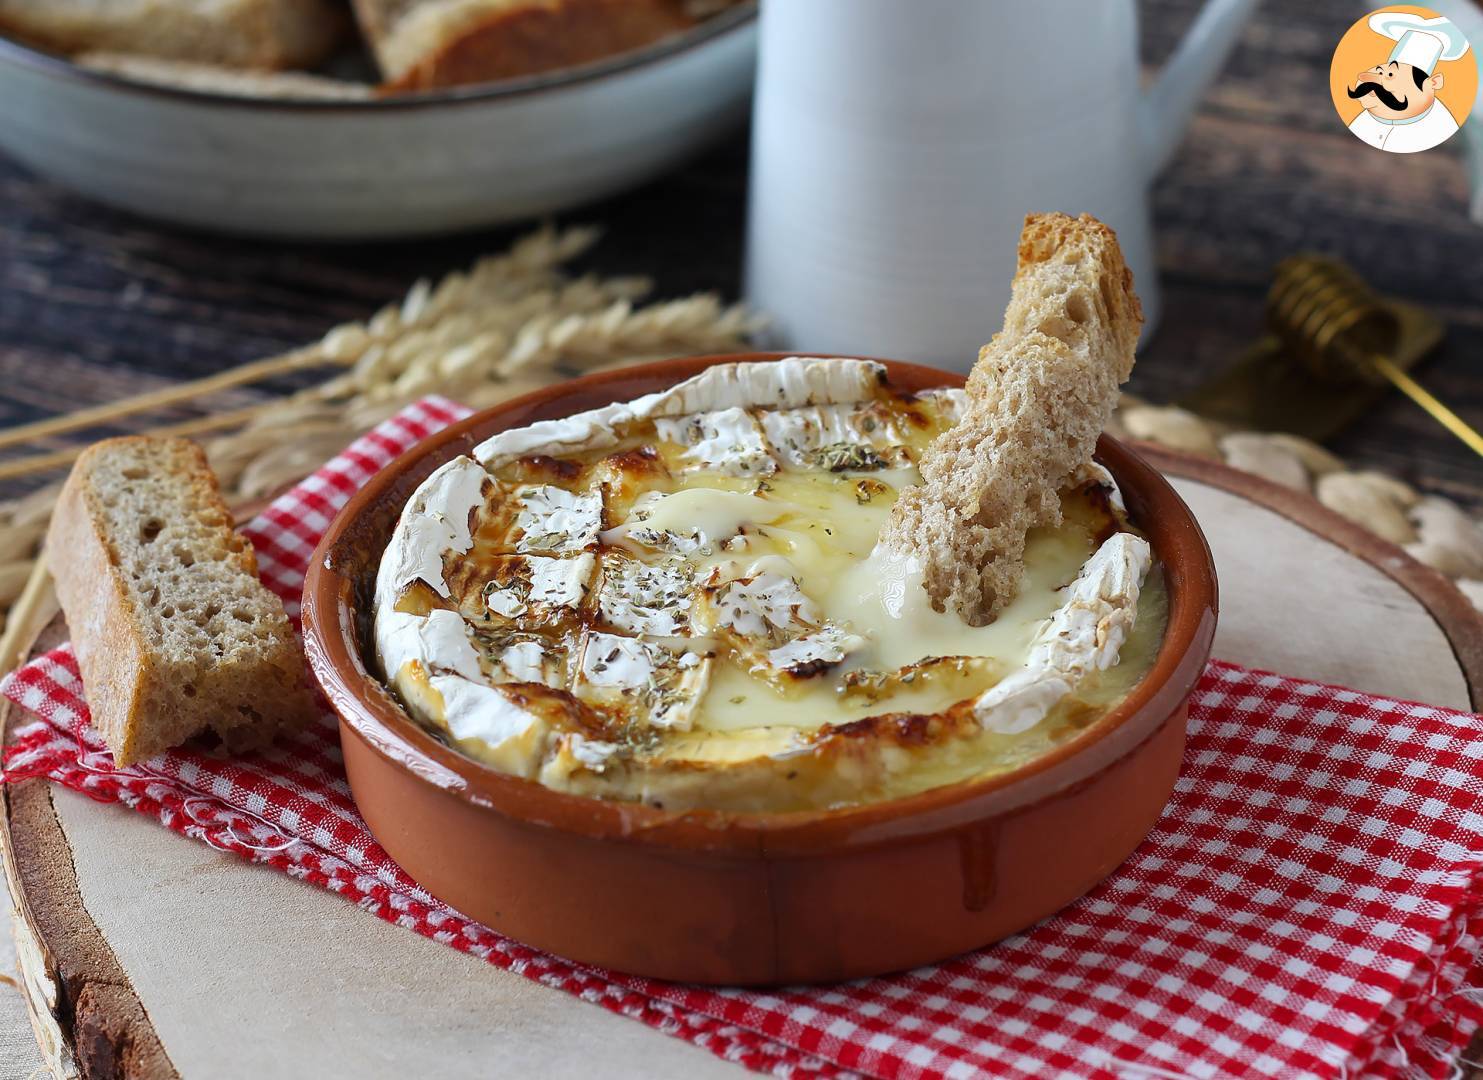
715	897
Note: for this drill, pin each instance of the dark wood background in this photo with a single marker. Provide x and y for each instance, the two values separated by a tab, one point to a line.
95	304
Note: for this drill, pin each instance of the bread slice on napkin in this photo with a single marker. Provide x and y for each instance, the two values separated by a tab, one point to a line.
1040	394
174	633
422	44
232	33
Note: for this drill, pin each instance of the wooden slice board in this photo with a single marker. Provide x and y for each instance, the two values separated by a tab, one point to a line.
151	955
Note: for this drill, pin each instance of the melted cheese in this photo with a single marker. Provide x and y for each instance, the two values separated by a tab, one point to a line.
702	514
734	612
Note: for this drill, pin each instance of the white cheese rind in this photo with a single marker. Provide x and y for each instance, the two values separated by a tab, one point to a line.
1084	635
656	599
592	754
684	687
828	644
623	663
505	601
1094	472
435	520
950	401
638	538
542	582
788	383
797	436
784	384
554	520
476	710
752	605
440	642
669	685
525	661
560	582
728	441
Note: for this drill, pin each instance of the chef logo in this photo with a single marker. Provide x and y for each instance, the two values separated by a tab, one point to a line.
1403	79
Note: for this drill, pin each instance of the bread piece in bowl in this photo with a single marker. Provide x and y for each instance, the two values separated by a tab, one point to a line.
258	34
227	81
422	44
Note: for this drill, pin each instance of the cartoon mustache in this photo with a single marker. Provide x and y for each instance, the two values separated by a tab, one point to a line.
1389	100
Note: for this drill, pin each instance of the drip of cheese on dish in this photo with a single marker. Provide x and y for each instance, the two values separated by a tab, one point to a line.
680	600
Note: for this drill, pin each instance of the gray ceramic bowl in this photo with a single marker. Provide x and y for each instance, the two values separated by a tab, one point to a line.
406	166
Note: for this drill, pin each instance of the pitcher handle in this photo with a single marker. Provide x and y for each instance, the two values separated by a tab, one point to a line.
1472	149
1169	104
1471	134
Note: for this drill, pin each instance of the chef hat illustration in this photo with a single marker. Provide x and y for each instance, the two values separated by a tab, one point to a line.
1419	42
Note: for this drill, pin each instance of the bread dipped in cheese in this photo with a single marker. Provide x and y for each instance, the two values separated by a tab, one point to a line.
1041	392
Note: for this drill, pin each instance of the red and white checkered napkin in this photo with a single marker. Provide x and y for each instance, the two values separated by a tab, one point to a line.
1309	904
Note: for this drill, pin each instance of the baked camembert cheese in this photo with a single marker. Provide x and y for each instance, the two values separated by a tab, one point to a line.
680	600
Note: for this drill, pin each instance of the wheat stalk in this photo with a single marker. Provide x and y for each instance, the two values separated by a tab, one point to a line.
517	321
510	323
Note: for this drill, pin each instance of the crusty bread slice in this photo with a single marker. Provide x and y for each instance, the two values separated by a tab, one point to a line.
421	44
173	631
214	79
1042	391
232	33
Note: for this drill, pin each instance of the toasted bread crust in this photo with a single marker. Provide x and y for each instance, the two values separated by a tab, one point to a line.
105	635
173	632
217	79
1042	391
259	34
421	46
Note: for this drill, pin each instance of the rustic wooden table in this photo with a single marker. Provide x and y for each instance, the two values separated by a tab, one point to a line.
95	304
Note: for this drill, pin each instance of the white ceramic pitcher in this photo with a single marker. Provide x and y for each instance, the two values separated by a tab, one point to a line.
897	147
1469	18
